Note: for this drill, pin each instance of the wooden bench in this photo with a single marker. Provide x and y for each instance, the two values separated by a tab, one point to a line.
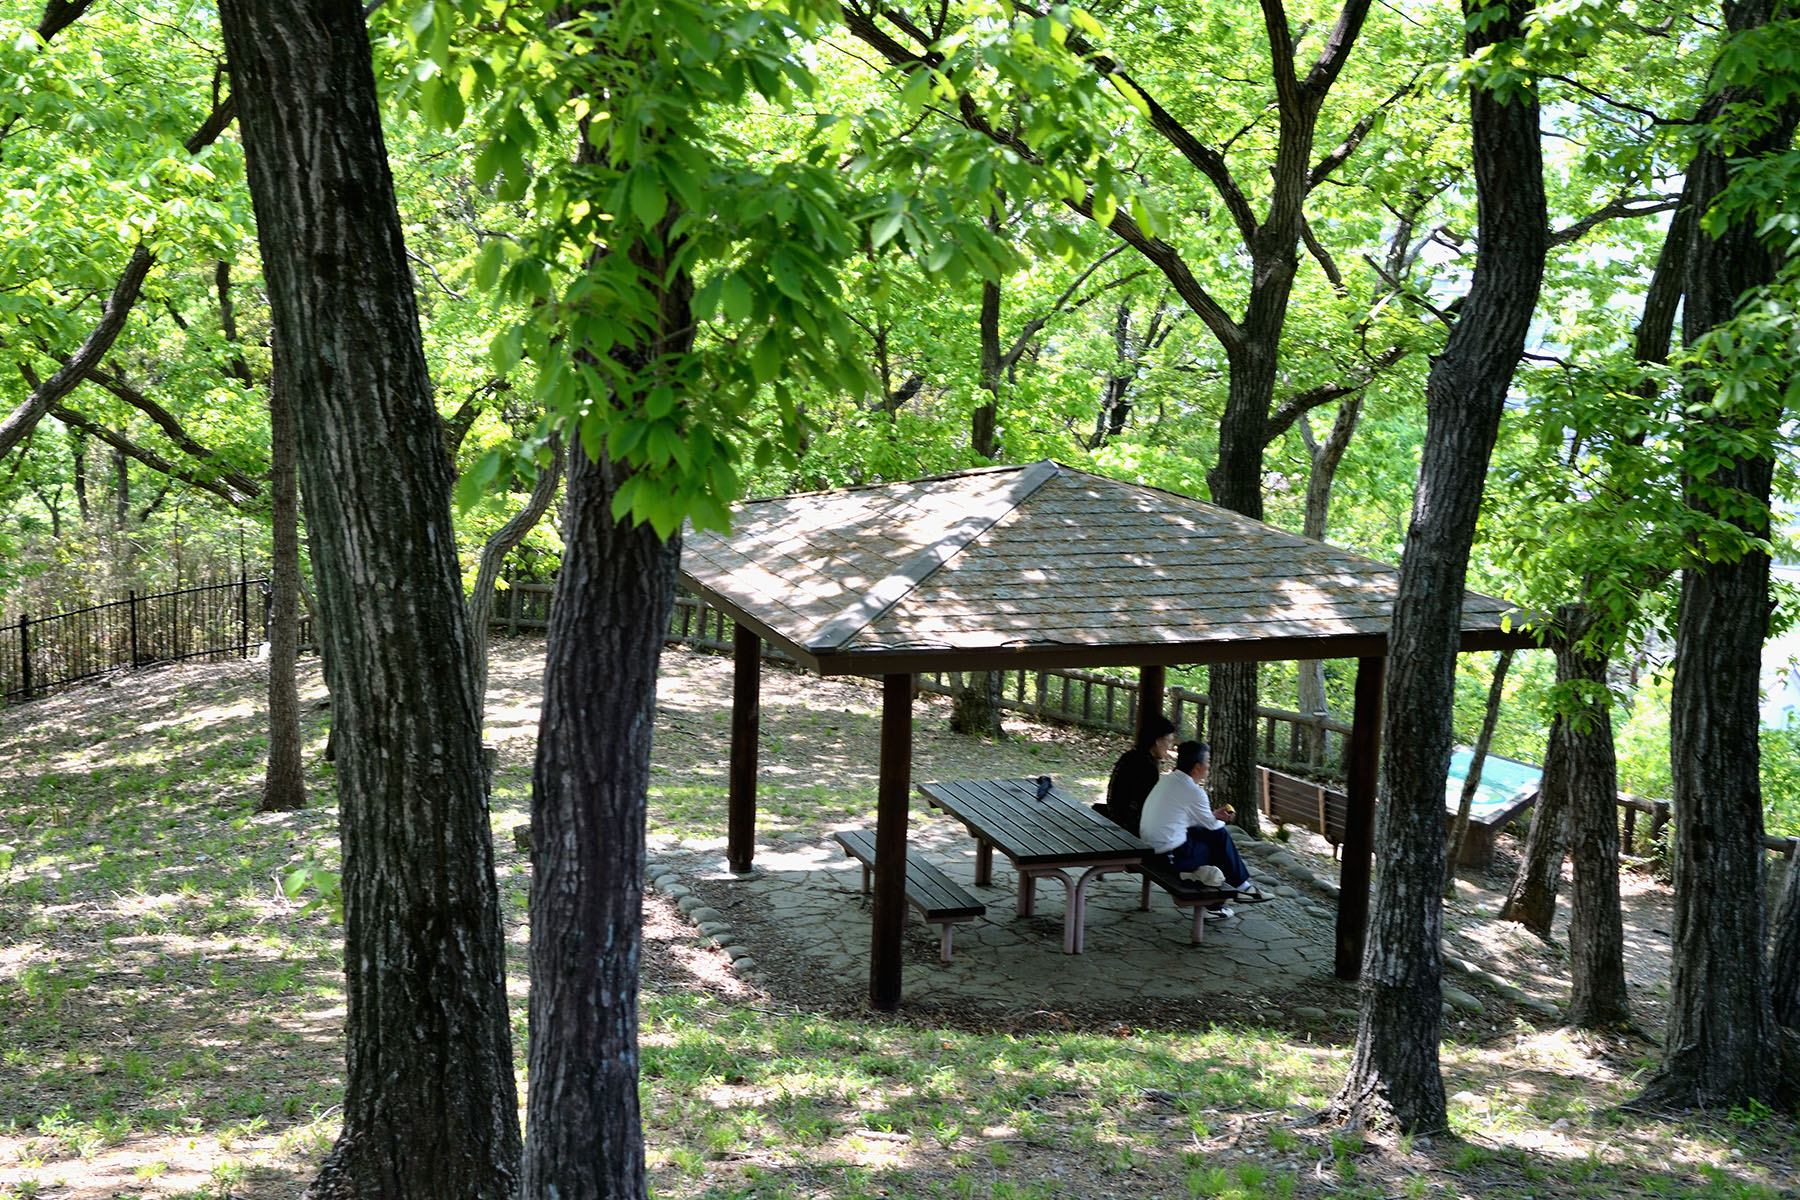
937	897
1185	892
1294	801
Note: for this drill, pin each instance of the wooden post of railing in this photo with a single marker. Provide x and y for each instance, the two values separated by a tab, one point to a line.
25	652
131	613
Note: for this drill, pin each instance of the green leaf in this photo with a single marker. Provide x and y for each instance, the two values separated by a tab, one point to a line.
884	230
737	298
648	200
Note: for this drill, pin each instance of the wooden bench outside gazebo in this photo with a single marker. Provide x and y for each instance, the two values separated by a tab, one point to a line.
1040	566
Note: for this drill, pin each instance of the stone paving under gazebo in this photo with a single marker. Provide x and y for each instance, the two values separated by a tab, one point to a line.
1274	958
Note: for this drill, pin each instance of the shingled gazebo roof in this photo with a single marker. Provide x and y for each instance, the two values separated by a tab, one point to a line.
1044	566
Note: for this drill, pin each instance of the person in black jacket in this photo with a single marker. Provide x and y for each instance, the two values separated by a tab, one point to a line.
1137	771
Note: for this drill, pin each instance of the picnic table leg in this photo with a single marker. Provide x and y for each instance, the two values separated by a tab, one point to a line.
1027	894
1078	909
984	863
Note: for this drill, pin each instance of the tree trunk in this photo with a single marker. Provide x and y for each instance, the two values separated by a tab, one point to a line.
493	554
430	1108
1721	1046
1599	999
983	420
78	452
1784	955
613	598
1231	687
1532	901
1309	682
976	708
1395	1069
1459	833
614	594
121	490
284	785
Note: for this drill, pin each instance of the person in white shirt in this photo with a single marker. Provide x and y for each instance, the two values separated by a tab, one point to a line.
1180	822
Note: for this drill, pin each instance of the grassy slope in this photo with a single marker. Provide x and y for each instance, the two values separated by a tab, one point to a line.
171	1020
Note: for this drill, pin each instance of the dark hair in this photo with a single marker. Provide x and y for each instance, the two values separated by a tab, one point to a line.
1155	727
1190	754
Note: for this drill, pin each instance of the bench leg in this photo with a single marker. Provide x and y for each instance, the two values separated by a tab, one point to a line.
1144	899
949	928
1199	932
865	868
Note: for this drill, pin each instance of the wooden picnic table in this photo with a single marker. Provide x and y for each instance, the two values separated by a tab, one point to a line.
1053	836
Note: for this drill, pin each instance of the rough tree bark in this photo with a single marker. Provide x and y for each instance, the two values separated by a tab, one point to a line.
1490	718
614	594
430	1107
1532	900
284	784
1599	998
1395	1069
1721	1046
1784	953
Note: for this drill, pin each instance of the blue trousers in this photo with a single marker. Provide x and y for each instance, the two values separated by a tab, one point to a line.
1210	847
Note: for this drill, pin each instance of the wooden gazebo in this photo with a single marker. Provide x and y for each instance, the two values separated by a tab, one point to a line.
1039	566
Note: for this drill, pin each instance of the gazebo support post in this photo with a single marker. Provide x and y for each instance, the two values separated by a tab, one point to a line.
893	801
1363	769
1152	691
746	727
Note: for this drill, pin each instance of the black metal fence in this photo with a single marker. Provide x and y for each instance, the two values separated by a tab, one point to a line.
212	621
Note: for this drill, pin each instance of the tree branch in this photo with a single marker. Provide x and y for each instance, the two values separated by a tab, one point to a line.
149	458
1317	249
112	319
1336	50
1352	140
165	420
1619	206
1300	403
1655	118
1032	327
112	314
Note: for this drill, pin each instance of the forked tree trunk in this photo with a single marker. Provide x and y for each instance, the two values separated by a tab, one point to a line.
1598	998
284	785
430	1108
1721	1046
1532	900
1395	1069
